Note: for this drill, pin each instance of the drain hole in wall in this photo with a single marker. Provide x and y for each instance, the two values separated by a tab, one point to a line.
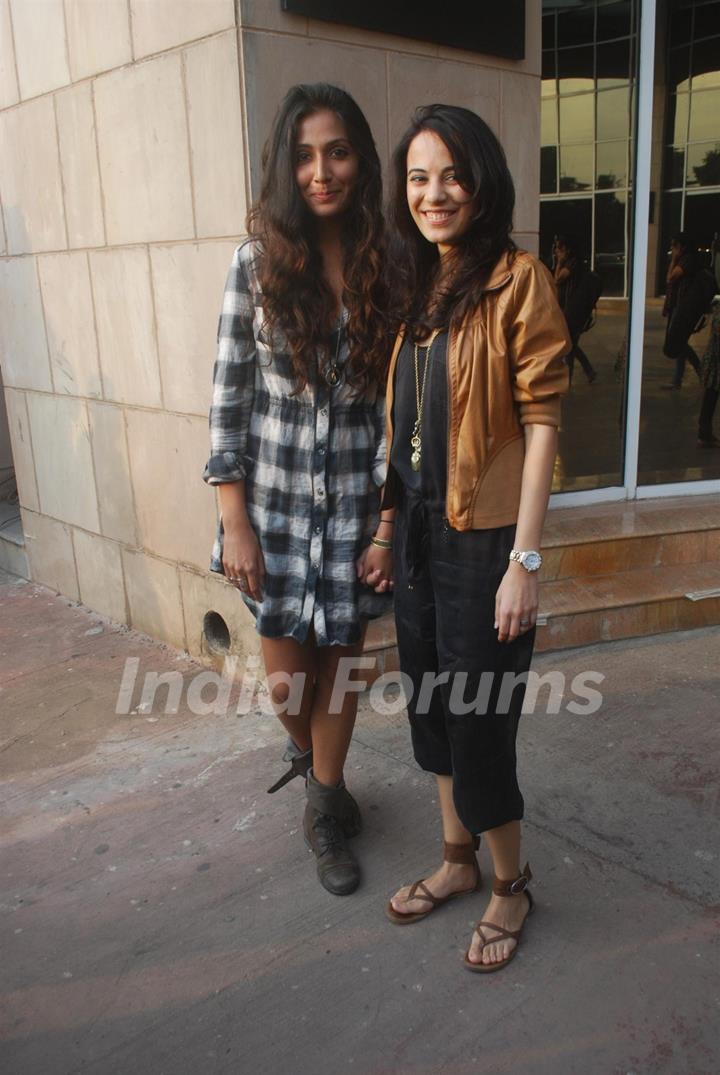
216	633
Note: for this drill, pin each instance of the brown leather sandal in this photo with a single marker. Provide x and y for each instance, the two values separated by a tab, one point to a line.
515	887
462	854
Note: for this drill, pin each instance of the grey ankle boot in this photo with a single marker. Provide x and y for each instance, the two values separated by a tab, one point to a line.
325	811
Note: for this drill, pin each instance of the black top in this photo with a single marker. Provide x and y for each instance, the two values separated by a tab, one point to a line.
431	479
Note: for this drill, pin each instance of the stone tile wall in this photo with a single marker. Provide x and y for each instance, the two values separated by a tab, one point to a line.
129	133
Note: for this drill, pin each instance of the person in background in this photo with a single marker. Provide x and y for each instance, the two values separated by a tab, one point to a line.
297	438
680	309
710	370
573	283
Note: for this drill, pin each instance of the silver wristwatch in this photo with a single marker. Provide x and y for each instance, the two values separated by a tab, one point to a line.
530	559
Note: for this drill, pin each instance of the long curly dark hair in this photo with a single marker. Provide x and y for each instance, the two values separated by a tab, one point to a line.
296	298
482	171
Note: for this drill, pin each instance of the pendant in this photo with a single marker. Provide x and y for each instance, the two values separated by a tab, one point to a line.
415	459
333	376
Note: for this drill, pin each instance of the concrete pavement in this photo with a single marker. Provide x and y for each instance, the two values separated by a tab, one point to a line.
160	914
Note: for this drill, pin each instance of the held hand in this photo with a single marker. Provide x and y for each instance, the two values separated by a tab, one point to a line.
243	561
516	602
374	568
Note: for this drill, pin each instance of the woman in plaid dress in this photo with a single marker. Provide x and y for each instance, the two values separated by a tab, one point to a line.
297	438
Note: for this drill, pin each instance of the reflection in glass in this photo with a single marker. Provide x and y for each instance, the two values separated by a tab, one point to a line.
707	21
614	20
674	166
567	216
548	87
707	80
576	168
613	114
577	118
704	116
548	169
575	70
548	122
610	241
703	164
613	64
678	70
611	165
680	25
702	218
706	60
678	112
576	27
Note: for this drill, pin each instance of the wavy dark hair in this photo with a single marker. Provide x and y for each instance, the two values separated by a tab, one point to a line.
296	298
482	171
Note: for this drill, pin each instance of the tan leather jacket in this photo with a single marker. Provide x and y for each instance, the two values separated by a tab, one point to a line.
505	370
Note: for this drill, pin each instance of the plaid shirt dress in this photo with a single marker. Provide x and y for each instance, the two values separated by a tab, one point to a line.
313	465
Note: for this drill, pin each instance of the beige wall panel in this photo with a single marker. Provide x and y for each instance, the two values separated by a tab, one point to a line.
188	283
268	15
527	240
520	136
79	163
144	157
274	63
50	554
175	509
208	593
69	323
216	135
161	24
98	35
63	460
9	93
414	80
125	324
153	594
30	178
19	426
112	472
39	31
100	577
23	347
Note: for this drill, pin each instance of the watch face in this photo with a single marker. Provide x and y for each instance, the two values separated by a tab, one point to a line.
532	561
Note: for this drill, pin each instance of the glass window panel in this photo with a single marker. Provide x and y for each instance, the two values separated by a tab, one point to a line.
566	216
548	122
705	61
678	68
577	119
613	114
680	25
613	64
576	27
548	170
576	168
707	80
703	164
548	87
610	223
704	116
702	218
707	20
677	118
548	66
614	20
670	224
576	66
548	31
611	165
674	166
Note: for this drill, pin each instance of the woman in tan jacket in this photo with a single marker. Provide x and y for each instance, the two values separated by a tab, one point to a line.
473	410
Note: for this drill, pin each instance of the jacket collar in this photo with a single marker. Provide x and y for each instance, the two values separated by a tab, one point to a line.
502	273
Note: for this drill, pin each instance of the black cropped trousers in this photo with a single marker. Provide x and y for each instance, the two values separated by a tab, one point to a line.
465	726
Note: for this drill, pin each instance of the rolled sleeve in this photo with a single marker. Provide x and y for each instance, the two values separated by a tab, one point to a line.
379	467
233	380
539	340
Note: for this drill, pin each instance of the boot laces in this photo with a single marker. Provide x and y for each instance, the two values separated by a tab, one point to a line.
330	831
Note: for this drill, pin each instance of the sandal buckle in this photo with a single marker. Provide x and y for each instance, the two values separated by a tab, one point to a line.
519	885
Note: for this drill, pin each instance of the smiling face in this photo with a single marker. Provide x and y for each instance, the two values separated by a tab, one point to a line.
326	165
439	206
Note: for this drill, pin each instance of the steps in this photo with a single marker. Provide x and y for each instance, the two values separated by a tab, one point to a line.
13	557
617	570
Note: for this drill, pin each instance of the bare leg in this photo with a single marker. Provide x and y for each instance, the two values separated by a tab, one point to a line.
288	656
331	732
506	911
452	876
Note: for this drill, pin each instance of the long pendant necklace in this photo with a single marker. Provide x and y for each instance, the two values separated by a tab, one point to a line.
416	438
333	373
